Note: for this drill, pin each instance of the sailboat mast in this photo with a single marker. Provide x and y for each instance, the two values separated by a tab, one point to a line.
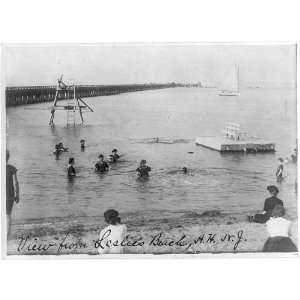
237	74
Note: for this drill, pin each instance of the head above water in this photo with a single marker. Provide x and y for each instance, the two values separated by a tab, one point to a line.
273	190
82	141
114	151
71	160
278	211
143	162
280	159
112	217
100	156
184	169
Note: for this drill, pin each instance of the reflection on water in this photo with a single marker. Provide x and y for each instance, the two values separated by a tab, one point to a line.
159	126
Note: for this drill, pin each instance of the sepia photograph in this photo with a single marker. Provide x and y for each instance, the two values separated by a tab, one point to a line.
143	149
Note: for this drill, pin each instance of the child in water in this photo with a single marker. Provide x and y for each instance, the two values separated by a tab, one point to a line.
279	231
71	169
143	170
113	234
101	165
279	171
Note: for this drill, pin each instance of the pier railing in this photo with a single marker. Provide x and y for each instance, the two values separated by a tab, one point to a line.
37	94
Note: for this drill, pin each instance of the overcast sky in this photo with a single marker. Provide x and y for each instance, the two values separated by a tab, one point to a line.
263	65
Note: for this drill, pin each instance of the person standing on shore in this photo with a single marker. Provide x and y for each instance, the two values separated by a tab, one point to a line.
279	230
12	191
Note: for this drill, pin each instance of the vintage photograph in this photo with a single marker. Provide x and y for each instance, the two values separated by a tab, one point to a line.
169	148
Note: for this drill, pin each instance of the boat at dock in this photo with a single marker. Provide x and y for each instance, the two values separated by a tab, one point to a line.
235	140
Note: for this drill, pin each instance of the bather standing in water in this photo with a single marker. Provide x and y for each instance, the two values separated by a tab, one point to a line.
70	168
143	170
114	156
279	171
82	145
101	165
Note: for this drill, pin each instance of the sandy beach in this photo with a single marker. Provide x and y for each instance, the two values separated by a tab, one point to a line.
177	232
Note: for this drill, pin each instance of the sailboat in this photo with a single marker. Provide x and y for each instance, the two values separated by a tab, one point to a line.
230	86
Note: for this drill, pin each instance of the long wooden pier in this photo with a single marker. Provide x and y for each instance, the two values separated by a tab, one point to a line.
37	94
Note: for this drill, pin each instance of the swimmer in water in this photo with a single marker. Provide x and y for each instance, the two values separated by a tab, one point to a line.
114	156
143	170
82	144
101	165
62	148
71	169
57	150
183	170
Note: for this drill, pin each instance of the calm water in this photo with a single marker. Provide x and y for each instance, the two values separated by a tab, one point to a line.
230	182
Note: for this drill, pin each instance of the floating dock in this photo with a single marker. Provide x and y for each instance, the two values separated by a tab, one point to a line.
224	144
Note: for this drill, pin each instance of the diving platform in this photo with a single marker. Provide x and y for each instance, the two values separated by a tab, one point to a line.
235	140
224	145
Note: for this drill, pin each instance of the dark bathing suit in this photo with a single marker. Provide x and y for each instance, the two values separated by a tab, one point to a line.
101	166
143	171
115	157
71	171
270	203
10	191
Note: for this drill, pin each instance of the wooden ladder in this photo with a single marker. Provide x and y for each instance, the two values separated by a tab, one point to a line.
71	111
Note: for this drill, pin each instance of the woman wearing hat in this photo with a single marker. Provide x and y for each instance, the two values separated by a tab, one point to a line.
279	231
269	205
